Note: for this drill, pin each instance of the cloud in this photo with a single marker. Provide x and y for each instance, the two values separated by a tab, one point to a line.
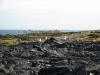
50	14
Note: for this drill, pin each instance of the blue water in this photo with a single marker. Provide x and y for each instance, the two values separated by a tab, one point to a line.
15	32
11	32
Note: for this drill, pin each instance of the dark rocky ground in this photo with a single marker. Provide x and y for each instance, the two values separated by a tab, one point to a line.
50	58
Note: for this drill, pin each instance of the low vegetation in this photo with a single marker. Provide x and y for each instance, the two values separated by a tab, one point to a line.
35	35
90	36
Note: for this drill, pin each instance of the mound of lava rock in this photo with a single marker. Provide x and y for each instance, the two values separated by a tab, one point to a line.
52	57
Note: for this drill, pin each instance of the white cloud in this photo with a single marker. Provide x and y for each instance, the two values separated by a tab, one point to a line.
51	14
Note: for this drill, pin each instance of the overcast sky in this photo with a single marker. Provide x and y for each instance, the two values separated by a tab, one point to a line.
50	14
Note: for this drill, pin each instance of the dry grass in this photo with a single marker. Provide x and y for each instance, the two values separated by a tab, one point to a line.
90	36
9	42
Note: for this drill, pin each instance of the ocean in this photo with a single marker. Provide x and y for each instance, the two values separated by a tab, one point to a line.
15	32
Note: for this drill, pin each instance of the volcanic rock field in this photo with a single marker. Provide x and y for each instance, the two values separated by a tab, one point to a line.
52	57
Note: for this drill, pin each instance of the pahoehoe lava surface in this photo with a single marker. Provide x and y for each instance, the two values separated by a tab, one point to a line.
51	57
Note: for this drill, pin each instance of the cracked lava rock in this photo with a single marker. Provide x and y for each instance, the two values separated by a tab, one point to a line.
51	57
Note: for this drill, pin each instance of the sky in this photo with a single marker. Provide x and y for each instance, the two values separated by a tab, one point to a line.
50	14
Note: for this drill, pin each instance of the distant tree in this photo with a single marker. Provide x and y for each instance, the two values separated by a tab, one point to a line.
56	31
50	31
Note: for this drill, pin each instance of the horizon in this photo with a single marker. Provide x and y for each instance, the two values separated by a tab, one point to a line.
49	15
54	29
